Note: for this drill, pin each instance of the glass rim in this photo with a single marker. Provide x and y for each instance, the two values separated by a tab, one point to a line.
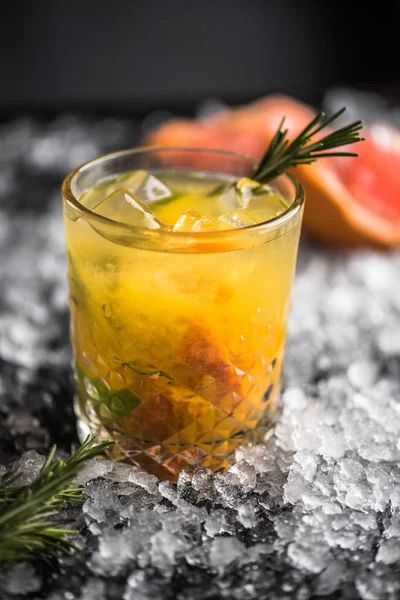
162	235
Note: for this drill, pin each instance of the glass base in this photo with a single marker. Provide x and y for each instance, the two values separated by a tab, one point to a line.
166	460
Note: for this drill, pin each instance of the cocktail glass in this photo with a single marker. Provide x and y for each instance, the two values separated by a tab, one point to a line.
178	338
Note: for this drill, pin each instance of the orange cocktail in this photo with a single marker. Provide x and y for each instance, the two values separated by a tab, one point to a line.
179	293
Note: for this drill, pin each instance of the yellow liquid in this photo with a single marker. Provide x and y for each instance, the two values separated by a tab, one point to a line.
178	355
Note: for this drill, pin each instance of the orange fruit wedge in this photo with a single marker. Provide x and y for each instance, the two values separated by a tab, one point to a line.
349	201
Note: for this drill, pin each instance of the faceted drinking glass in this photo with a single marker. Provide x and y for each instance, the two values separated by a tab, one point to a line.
178	338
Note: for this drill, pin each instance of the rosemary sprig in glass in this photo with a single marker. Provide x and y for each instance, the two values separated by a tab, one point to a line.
28	527
283	154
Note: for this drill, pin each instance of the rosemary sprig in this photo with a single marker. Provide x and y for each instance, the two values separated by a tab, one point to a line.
28	525
282	154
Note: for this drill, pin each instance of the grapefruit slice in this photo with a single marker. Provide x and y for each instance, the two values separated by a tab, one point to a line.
350	202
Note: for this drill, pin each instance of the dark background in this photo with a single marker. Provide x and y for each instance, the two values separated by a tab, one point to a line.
131	57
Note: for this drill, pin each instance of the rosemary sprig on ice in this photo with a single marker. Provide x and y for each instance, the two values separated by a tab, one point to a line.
28	525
